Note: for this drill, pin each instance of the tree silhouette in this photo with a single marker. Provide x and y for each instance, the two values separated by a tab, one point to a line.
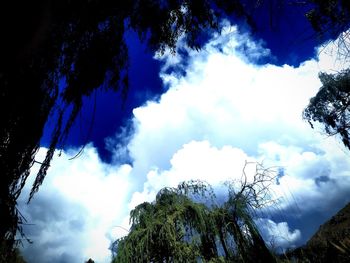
185	224
329	17
80	44
331	105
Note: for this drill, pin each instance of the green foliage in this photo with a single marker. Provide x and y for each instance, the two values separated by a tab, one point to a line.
184	224
82	42
331	105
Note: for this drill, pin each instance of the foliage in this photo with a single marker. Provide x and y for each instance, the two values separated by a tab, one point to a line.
185	224
81	45
329	17
13	256
331	105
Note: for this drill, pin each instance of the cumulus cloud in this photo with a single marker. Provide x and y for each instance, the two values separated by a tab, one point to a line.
223	111
226	100
194	161
74	214
278	235
225	104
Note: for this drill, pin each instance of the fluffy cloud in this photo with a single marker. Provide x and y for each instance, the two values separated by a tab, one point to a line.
225	100
278	236
223	111
195	161
74	214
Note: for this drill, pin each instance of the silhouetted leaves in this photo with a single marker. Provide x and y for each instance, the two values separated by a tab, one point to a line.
331	105
81	44
329	17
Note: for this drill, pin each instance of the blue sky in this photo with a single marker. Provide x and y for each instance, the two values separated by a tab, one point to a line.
228	108
286	33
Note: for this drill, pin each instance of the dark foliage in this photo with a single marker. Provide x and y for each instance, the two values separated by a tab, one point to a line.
331	105
329	17
80	43
331	243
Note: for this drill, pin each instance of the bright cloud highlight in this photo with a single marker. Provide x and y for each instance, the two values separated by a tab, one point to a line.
224	111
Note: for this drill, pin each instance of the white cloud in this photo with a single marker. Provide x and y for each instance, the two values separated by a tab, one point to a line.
226	110
76	210
195	161
226	101
224	104
333	56
278	235
310	173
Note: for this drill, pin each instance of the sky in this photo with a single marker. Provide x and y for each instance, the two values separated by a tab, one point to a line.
286	32
220	108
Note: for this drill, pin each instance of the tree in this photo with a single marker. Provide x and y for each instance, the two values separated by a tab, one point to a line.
185	224
331	19
331	105
81	44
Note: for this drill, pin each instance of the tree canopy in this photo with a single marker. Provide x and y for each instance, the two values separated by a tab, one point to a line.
53	53
329	17
56	52
185	224
331	105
